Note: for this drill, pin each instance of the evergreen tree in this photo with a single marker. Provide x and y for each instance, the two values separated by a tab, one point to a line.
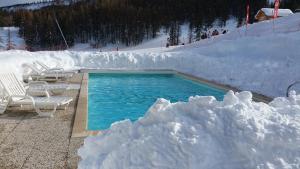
100	22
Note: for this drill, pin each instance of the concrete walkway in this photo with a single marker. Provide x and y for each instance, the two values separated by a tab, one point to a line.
28	141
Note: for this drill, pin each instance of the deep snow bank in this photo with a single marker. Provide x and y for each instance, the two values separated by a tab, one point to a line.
200	134
263	61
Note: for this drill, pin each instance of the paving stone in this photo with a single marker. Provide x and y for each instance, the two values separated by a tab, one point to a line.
5	128
3	136
45	160
13	155
9	162
29	141
19	140
73	158
11	117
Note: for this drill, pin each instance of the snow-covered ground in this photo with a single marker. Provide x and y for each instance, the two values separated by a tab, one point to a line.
265	59
202	133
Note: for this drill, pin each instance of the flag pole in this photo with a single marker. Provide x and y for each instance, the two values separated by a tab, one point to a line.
247	16
276	8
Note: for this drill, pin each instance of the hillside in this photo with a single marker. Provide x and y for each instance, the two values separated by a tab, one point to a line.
203	132
29	4
263	61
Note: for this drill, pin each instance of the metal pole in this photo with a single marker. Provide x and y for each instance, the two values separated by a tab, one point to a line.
62	34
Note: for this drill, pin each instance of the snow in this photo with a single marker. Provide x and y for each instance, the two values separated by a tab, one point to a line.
4	3
29	5
158	43
265	59
281	12
202	133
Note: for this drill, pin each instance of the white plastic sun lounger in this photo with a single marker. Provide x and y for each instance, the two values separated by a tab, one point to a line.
16	97
49	76
2	101
44	67
36	88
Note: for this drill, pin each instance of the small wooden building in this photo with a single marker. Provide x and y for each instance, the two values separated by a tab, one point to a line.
268	13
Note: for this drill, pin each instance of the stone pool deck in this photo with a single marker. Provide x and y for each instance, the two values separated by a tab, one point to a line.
28	141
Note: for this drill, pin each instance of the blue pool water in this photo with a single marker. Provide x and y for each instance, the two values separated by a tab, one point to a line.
115	97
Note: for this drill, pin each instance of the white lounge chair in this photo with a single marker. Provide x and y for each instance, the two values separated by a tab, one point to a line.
36	88
44	67
16	97
45	75
2	101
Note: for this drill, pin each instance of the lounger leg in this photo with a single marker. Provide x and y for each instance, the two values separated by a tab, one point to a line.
66	107
3	107
46	114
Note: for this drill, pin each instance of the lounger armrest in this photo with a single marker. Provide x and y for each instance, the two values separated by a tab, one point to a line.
56	69
45	72
37	83
23	97
42	90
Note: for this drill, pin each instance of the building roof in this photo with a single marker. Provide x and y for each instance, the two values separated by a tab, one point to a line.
281	12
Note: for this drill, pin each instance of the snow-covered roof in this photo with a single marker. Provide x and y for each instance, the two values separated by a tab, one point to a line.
281	12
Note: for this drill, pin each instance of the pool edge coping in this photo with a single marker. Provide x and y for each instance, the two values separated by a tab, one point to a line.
81	120
255	96
81	113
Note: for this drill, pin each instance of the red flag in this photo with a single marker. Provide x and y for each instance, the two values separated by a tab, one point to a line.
248	14
277	3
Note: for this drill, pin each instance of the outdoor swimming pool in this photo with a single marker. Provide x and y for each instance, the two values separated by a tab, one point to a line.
114	96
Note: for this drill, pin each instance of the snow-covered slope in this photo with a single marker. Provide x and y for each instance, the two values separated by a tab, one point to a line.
4	3
264	60
29	4
161	40
202	133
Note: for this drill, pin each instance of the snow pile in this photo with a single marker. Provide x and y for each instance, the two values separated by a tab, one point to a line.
202	133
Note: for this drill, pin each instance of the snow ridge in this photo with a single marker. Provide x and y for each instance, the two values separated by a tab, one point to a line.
202	133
